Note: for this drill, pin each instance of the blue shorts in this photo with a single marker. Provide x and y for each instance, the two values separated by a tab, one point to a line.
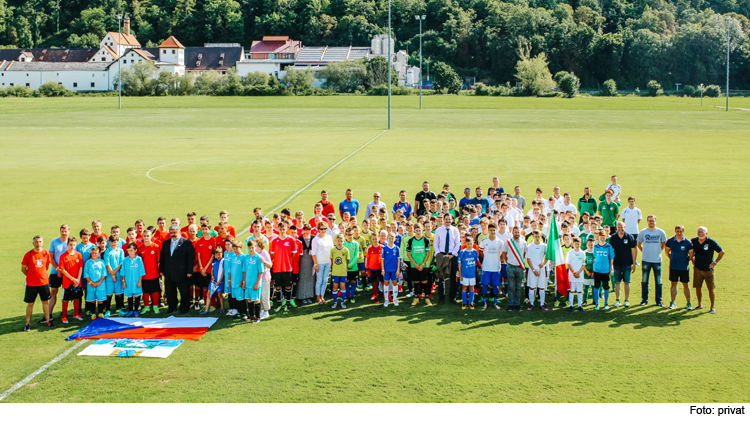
113	287
361	266
622	273
490	278
219	287
133	291
98	293
252	294
238	293
338	279
504	271
390	276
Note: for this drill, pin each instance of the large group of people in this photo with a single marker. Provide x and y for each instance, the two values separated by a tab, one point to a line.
475	251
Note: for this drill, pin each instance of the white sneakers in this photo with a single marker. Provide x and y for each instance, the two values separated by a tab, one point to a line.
263	314
232	312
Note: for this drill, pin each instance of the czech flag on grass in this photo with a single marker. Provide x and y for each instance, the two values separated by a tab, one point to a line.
554	253
171	328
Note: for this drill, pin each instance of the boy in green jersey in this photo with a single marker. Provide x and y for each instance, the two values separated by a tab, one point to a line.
588	276
352	270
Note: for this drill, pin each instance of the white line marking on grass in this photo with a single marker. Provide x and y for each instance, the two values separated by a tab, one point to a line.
148	175
247	229
674	103
20	384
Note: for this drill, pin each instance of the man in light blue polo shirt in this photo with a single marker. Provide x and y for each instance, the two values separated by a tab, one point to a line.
57	248
651	242
349	205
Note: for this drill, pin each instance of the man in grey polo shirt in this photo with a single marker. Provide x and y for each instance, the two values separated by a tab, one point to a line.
513	253
651	242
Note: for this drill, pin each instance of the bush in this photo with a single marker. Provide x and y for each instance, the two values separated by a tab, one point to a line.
53	89
446	79
488	90
299	81
20	91
654	88
396	90
533	72
482	90
690	91
568	83
609	88
712	91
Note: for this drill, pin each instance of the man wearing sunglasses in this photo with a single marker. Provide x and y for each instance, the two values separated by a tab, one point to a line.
376	204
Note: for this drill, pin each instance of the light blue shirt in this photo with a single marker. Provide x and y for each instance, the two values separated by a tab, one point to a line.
113	258
95	270
173	245
235	270
132	270
85	251
57	248
253	268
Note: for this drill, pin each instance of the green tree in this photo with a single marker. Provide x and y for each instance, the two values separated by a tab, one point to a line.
377	73
654	88
344	76
568	83
534	73
446	79
299	81
609	88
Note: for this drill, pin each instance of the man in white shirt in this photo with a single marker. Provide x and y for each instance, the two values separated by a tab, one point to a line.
513	253
632	216
490	249
447	245
557	196
375	203
566	205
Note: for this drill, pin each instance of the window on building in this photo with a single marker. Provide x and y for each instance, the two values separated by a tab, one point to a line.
163	51
58	74
11	84
60	83
27	74
104	58
27	85
23	59
124	61
140	61
132	61
75	85
173	51
93	85
223	72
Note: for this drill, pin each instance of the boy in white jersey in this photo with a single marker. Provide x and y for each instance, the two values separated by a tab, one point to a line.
536	257
490	250
632	216
504	235
576	262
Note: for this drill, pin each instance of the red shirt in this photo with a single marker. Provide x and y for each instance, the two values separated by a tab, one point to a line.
327	208
150	255
204	249
220	241
374	256
230	230
72	264
295	258
95	238
138	242
282	252
263	229
37	263
160	237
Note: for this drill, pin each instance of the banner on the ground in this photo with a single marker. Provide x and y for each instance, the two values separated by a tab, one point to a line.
171	328
129	348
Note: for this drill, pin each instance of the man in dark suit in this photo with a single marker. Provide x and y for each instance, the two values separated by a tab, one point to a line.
177	260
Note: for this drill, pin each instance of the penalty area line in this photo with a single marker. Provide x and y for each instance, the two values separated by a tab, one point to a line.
247	229
23	382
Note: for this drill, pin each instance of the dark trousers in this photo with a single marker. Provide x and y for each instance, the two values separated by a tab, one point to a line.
647	268
171	288
454	283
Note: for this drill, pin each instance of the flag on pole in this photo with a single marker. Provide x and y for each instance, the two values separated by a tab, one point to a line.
554	253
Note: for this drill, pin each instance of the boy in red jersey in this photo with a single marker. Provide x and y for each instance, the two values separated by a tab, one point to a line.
223	230
71	268
283	249
224	218
295	262
162	233
185	231
204	256
374	265
150	251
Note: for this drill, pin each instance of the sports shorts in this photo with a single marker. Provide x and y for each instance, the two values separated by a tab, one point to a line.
150	285
700	276
199	280
55	281
676	275
491	278
390	276
335	279
32	292
417	276
72	293
351	276
468	281
282	279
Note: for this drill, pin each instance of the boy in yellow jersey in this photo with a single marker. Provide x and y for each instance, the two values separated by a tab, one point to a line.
364	244
339	263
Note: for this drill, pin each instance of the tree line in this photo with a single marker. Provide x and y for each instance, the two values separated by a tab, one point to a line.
632	43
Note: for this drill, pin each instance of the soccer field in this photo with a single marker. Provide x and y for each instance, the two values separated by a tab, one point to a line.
74	160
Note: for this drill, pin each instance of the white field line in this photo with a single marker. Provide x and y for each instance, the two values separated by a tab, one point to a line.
247	229
20	384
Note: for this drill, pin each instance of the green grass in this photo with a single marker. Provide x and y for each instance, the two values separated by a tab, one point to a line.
73	160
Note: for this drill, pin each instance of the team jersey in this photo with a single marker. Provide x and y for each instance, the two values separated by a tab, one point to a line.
85	250
374	256
204	249
282	251
402	247
405	207
590	258
221	241
609	211
94	238
95	270
57	248
327	208
253	269
230	231
419	249
565	250
364	243
296	256
160	237
236	263
351	207
353	248
217	272
113	258
132	271
536	253
226	262
431	253
631	217
602	255
391	255
150	255
468	260
576	260
339	259
37	263
481	237
680	253
72	264
492	249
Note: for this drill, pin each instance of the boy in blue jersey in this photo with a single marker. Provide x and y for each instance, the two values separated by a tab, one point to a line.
604	256
236	280
467	272
113	258
84	248
216	287
391	269
227	261
253	269
95	272
132	272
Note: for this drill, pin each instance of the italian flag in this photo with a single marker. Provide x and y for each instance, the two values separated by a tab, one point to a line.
554	253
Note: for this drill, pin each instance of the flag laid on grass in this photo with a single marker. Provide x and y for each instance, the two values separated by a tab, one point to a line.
171	328
554	253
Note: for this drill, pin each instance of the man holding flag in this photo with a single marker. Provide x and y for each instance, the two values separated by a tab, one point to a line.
514	250
555	254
